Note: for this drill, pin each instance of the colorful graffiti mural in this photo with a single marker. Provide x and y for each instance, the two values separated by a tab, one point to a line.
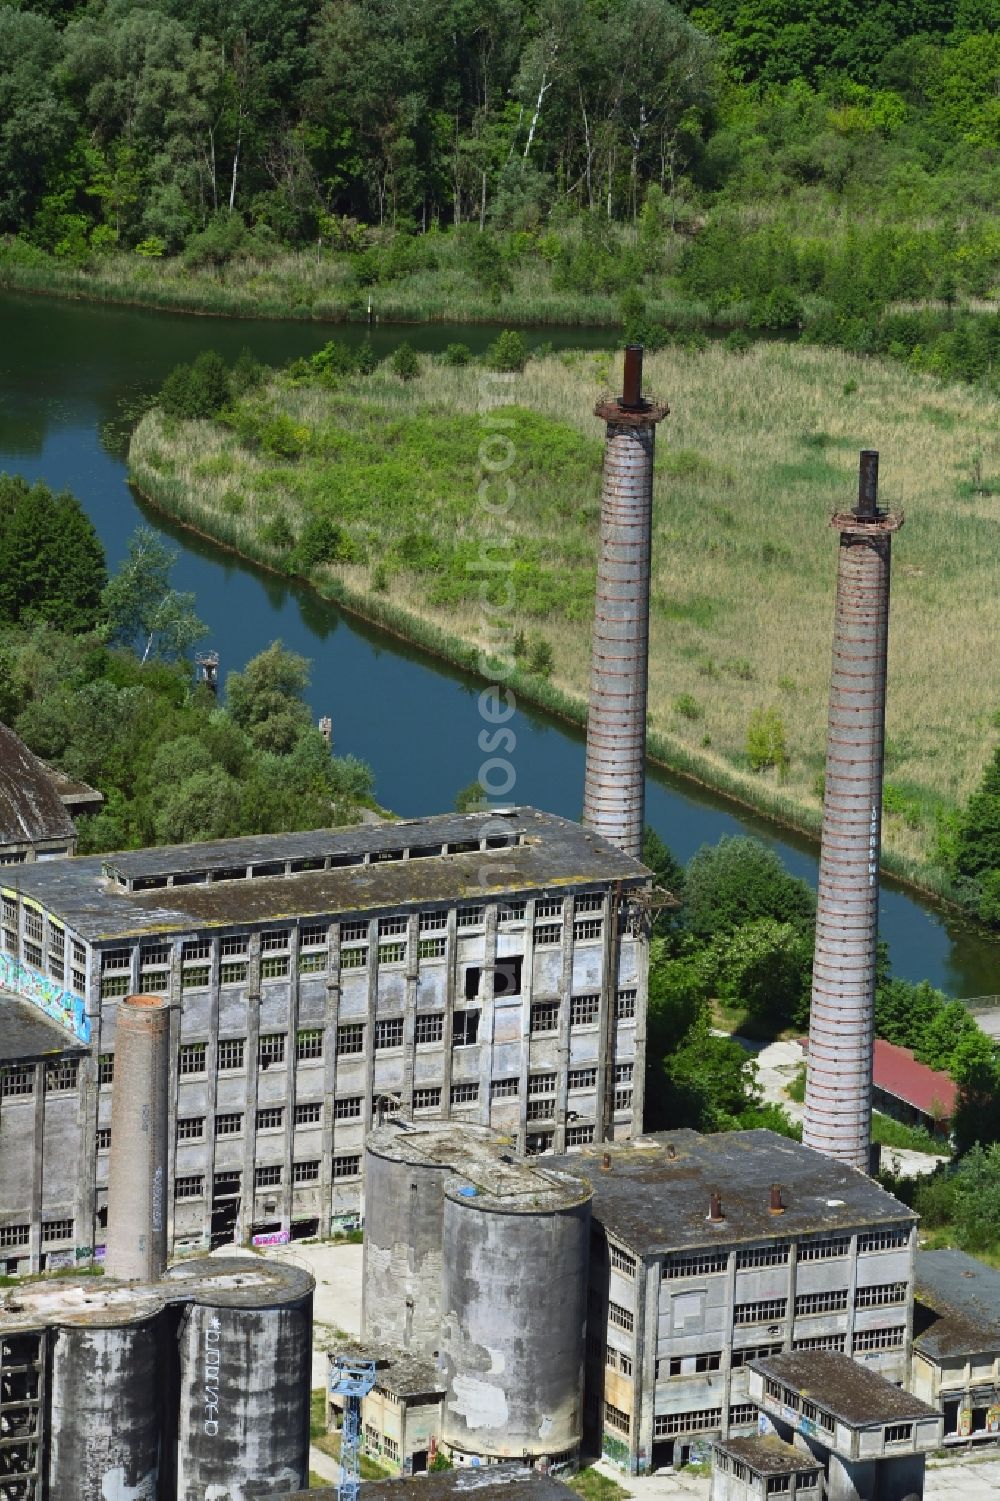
61	1005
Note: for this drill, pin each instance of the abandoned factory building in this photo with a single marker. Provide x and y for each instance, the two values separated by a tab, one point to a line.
320	981
709	1252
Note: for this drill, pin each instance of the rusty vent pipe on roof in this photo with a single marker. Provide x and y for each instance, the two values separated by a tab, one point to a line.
137	1170
775	1205
615	778
715	1214
841	1026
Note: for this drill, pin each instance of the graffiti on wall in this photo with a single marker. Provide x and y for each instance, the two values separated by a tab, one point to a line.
48	995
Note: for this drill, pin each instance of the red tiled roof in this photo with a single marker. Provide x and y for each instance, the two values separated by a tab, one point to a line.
898	1073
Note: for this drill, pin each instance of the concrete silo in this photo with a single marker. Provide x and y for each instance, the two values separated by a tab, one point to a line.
514	1296
106	1397
405	1174
244	1356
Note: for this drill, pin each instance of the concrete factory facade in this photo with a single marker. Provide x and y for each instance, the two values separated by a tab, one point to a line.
481	968
704	1253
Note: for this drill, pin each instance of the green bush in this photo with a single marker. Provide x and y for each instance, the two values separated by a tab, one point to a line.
457	354
687	706
508	351
322	541
199	390
540	658
766	745
278	532
405	362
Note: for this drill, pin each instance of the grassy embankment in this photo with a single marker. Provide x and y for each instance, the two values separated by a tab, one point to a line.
322	286
757	453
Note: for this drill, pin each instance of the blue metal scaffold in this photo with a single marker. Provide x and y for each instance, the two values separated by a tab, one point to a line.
352	1380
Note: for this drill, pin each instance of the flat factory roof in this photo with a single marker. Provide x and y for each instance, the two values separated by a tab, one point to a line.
852	1393
654	1195
545	853
767	1454
396	1371
480	1166
504	1482
957	1305
27	1034
233	1281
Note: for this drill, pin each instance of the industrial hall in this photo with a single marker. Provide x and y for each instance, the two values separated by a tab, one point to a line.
486	968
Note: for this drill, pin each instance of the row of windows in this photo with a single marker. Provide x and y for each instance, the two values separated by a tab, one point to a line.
776	1253
156	979
269	1175
789	1398
193	1056
741	1415
60	1075
12	1236
777	1485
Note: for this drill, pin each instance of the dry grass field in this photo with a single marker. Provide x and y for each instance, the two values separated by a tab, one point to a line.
757	453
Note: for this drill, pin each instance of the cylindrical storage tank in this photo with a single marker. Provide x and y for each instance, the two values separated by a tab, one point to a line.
137	1171
513	1317
106	1403
244	1368
405	1174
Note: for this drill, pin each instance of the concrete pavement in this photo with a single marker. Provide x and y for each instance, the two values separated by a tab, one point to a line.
337	1300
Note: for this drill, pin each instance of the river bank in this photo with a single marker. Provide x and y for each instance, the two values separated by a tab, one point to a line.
319	287
742	591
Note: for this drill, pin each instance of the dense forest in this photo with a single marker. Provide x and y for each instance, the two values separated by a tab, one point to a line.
135	123
822	166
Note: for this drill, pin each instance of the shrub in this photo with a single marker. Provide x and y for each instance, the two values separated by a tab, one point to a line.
766	745
334	361
687	706
322	541
247	374
278	532
404	361
737	342
508	351
283	438
457	354
488	267
195	391
540	658
224	236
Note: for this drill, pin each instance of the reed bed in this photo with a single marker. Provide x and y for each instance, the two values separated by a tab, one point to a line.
758	452
318	286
